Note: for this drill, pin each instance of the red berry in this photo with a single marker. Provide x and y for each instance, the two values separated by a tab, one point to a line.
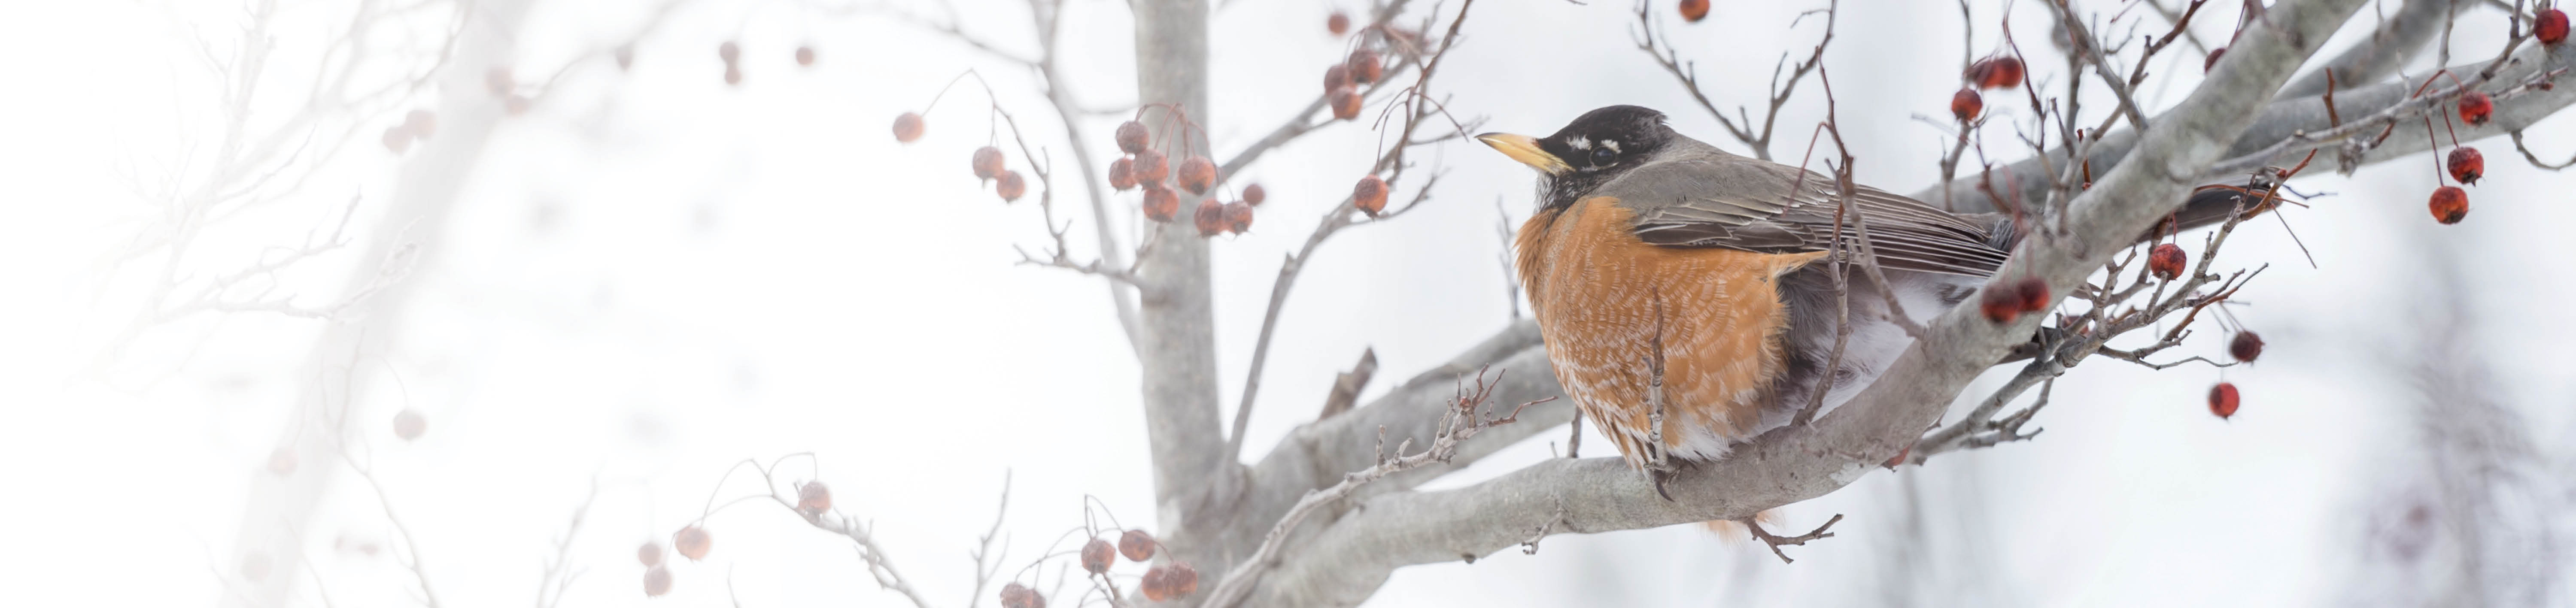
1161	204
2550	27
657	581
1337	77
1180	579
1122	174
1010	186
1238	216
1136	545
907	127
729	52
2222	400
1097	556
282	461
498	81
1346	103
650	554
2467	165
2034	294
2166	261
1154	585
1997	72
2246	346
1016	595
692	542
409	424
733	75
2450	203
813	499
1966	105
2211	63
2476	108
421	123
1210	218
625	56
1365	66
397	139
1151	168
1132	137
2001	304
1369	195
1694	10
1197	174
1338	24
987	162
805	55
1900	457
1253	194
516	105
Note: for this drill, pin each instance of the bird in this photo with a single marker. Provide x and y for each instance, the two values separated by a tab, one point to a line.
1682	290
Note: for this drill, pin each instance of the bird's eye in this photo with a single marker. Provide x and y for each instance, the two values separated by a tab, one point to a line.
1602	156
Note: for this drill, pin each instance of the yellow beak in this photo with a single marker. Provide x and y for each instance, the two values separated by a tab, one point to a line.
1525	149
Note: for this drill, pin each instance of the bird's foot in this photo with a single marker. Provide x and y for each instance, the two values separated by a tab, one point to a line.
1661	469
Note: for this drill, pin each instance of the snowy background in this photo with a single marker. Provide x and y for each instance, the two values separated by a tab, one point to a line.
650	276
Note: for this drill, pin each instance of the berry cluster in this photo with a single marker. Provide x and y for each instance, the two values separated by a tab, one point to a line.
1996	72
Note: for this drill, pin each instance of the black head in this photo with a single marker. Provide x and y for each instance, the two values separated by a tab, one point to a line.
1589	151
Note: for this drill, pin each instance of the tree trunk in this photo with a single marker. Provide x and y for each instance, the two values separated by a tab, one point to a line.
273	521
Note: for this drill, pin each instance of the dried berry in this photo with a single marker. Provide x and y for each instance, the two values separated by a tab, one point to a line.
2550	27
907	127
2033	292
1338	24
1966	105
813	498
2450	203
1161	204
421	123
657	581
1136	545
692	542
2211	63
2001	304
1365	67
731	53
1694	10
1180	579
805	56
1097	556
625	57
2222	400
2467	165
1197	174
1210	219
1346	103
282	461
650	554
397	139
1016	595
733	75
2476	108
498	81
1154	586
1369	195
1253	194
1337	77
1238	217
1151	167
2166	261
987	162
516	105
1122	174
409	424
1997	72
2246	346
1010	186
1132	137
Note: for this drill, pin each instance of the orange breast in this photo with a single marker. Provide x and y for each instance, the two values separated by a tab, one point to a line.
1601	296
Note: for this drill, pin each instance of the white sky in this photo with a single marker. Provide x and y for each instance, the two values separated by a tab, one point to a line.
656	275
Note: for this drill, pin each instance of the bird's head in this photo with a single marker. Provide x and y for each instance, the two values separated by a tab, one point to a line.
1597	146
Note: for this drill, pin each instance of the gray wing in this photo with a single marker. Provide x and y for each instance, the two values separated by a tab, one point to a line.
1713	199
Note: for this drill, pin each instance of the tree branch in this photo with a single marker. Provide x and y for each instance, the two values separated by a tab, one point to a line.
2394	41
1345	561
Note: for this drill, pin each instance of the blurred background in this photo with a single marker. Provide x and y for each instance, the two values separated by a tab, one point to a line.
628	279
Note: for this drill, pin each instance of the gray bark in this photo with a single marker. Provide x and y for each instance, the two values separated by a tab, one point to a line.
1177	351
2393	41
279	506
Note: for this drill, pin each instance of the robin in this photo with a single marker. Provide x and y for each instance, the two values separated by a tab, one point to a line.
1656	257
